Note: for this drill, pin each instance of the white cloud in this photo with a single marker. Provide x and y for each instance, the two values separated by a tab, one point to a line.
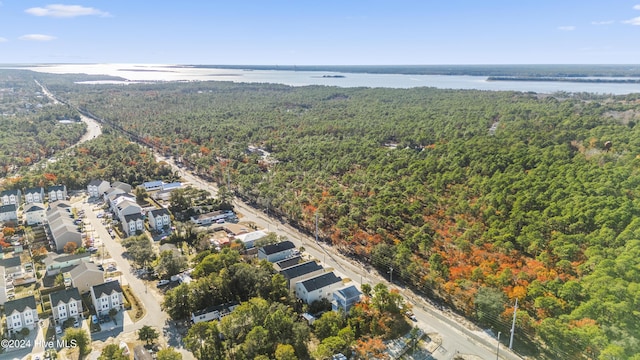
634	21
3	40
567	28
37	37
636	7
65	11
606	22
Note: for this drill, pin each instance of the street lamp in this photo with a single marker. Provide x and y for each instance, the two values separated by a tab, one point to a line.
498	348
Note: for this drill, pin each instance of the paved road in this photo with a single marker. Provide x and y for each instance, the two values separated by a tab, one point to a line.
93	127
145	291
456	338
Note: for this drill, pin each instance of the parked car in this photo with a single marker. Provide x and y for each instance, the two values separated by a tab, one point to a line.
58	330
410	315
163	283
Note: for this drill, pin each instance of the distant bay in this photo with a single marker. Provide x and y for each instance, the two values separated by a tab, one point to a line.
359	77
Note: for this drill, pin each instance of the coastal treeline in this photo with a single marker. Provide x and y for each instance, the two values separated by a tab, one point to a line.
32	128
474	198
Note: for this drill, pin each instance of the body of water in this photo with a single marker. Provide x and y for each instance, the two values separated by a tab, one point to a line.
145	73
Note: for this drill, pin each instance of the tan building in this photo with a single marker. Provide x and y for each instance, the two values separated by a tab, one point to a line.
86	275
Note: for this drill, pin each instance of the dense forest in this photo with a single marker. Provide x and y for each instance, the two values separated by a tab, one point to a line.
477	198
33	128
109	157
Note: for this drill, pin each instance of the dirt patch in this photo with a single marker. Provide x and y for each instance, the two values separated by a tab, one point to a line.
624	117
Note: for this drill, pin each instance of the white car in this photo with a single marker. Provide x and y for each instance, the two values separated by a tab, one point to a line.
58	330
163	283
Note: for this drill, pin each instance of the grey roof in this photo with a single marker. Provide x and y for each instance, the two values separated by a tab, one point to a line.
279	247
214	308
113	192
208	215
128	199
10	192
53	258
56	188
121	185
64	296
8	208
153	183
34	190
107	288
10	262
20	305
60	205
287	263
300	269
97	182
82	268
349	292
171	186
159	212
134	217
320	281
34	207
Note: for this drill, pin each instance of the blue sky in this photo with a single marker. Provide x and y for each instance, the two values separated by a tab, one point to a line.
331	32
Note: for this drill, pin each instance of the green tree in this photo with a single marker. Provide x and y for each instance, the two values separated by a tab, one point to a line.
257	342
489	304
285	352
168	354
148	334
204	341
141	194
328	325
176	302
178	201
385	300
170	263
330	346
213	263
140	249
366	290
80	338
113	352
59	280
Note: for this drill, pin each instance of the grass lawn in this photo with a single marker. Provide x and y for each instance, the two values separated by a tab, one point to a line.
137	311
23	291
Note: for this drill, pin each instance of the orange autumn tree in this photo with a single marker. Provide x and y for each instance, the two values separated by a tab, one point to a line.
70	247
371	348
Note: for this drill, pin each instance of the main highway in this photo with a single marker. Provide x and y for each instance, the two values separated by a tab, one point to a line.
458	336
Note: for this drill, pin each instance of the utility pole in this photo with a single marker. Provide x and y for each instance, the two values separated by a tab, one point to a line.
316	227
498	349
391	275
513	325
